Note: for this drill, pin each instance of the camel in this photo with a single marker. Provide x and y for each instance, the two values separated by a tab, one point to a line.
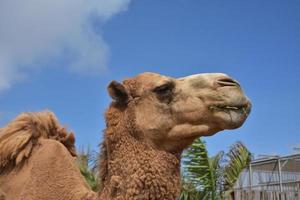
152	118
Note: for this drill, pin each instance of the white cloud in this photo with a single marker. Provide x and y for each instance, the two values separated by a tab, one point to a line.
34	31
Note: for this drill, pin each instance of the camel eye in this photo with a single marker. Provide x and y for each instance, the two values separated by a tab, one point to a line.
165	89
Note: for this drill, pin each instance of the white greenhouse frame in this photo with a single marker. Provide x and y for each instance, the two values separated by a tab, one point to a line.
270	178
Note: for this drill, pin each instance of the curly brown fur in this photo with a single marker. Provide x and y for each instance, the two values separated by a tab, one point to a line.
134	169
103	163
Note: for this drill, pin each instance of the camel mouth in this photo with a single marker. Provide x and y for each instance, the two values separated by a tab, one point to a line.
243	108
232	115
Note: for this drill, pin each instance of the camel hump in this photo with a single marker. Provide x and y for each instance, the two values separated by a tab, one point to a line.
19	137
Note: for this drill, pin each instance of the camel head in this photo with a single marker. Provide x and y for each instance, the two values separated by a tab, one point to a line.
169	113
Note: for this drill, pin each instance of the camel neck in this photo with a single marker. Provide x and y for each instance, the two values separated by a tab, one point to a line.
136	170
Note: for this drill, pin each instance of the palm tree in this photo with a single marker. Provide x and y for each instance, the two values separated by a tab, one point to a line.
238	159
87	163
210	177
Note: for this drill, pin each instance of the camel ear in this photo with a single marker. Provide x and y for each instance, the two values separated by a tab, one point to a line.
118	92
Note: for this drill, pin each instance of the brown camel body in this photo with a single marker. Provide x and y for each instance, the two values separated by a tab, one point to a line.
149	123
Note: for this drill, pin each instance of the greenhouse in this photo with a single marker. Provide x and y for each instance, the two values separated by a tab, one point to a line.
270	177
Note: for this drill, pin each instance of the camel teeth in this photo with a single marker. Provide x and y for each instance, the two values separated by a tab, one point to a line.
232	107
225	108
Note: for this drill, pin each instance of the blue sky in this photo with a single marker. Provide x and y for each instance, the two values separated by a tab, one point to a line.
50	64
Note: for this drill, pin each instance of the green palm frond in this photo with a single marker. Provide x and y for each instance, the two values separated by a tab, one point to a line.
210	177
239	158
189	192
202	170
86	162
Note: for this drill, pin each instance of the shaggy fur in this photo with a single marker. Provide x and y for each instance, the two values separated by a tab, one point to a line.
148	125
20	136
32	146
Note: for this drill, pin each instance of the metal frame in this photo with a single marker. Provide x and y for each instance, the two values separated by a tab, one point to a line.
279	163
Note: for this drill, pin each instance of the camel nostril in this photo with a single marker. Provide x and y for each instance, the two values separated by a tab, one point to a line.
226	81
